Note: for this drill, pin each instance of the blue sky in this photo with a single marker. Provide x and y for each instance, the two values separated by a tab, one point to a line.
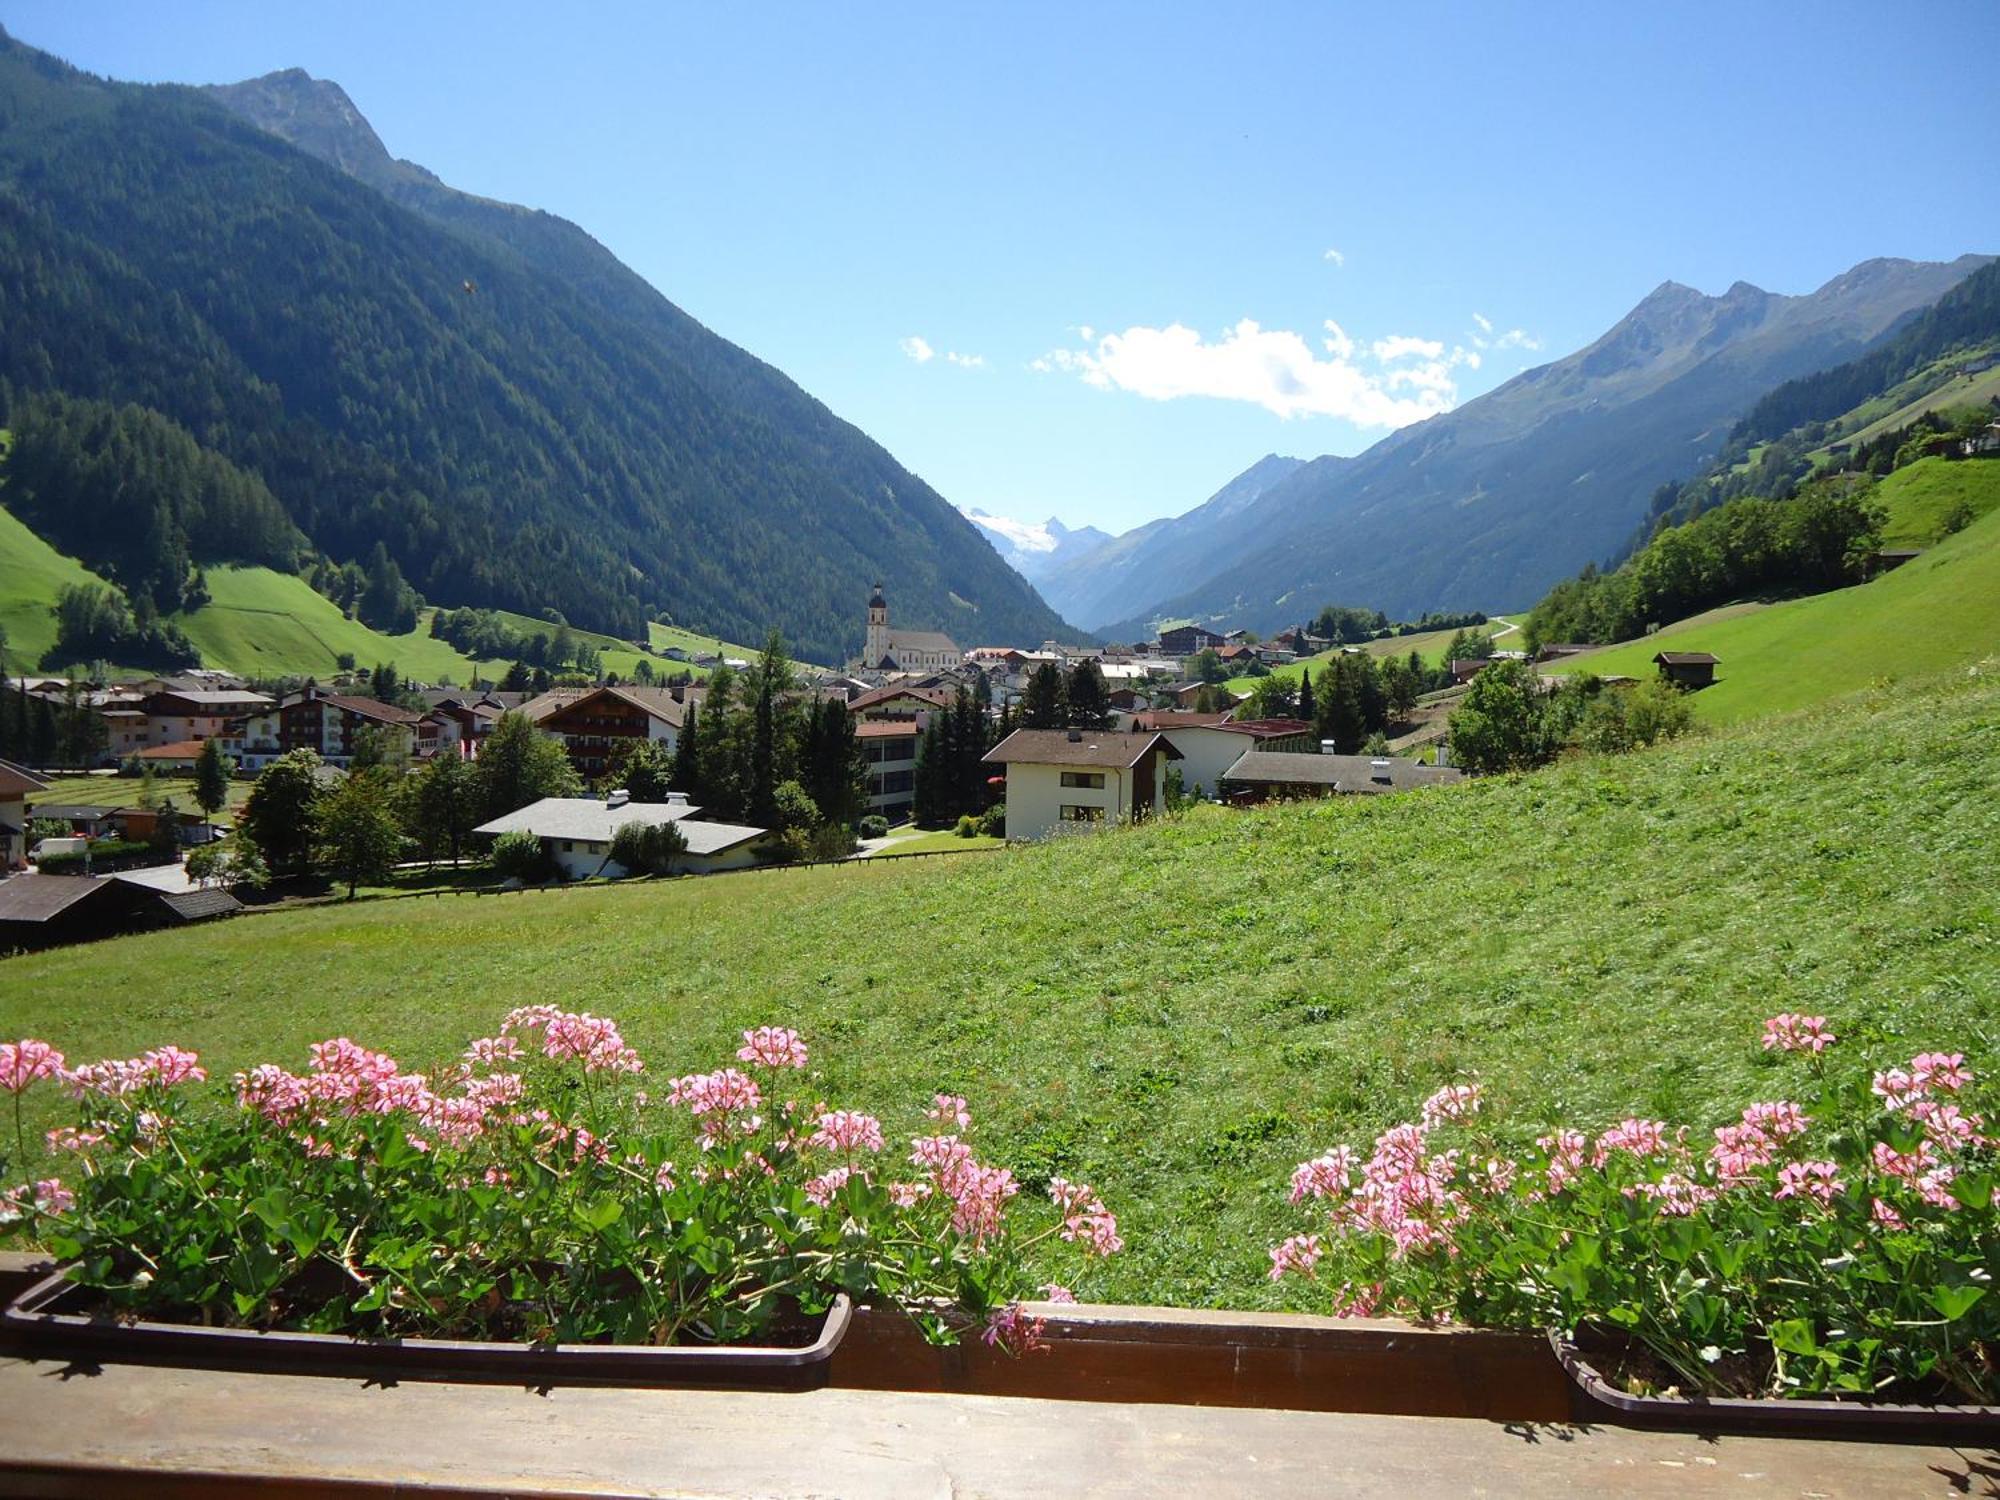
1160	240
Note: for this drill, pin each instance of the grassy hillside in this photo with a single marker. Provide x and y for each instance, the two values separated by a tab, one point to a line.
1918	497
1596	939
263	623
31	573
1935	390
1940	610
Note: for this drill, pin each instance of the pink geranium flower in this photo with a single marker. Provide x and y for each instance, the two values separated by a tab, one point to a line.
1791	1032
772	1047
26	1061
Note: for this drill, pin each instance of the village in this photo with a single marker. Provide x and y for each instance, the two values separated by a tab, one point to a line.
1045	741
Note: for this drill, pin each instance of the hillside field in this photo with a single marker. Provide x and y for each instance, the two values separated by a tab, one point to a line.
1939	610
1917	497
1429	644
31	574
1182	1011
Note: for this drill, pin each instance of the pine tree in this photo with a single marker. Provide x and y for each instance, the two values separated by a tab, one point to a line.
211	778
1089	703
1045	705
1307	709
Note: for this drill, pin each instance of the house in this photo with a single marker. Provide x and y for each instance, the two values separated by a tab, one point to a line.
886	650
1278	775
1237	655
1207	750
901	703
1464	669
327	724
89	821
1189	694
1064	779
175	716
577	833
177	759
1557	650
1190	640
45	911
889	746
16	782
593	723
1987	441
1688	669
1888	559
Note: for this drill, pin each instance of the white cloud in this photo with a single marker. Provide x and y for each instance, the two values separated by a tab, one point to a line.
917	348
1513	338
1335	257
1402	346
1272	368
965	361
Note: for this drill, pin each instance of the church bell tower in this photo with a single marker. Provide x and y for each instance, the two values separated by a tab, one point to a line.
877	645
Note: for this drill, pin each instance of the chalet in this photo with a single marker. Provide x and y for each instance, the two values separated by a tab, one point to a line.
889	748
1236	654
327	724
1208	750
900	704
1688	669
1464	669
177	759
1987	441
1190	640
16	782
44	911
1556	651
1060	780
886	650
593	723
1276	775
577	833
176	716
1190	693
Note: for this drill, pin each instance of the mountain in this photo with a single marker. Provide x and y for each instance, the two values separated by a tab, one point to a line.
1487	505
1033	550
520	419
1167	555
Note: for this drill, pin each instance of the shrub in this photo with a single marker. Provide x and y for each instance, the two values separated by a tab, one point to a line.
874	826
1842	1241
830	841
648	848
993	822
520	856
968	826
531	1193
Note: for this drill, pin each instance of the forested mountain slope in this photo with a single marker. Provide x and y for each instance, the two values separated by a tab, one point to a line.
512	412
1490	504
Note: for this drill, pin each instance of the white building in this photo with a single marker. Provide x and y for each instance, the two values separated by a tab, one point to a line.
577	833
918	651
1060	779
889	746
1210	744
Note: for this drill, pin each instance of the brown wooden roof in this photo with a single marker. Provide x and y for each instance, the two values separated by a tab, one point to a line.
18	781
1686	659
1092	747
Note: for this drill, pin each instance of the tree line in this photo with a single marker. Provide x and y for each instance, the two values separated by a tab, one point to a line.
1820	539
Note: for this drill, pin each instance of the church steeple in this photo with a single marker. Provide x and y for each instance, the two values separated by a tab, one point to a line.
877	645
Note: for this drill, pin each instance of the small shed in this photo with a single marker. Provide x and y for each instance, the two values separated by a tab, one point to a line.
1688	669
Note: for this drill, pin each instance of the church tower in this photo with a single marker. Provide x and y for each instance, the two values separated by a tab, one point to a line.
877	645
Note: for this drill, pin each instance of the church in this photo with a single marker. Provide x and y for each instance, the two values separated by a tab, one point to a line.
918	651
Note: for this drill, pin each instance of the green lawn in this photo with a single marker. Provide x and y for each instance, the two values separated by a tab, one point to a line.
1940	610
1889	413
1182	1011
123	791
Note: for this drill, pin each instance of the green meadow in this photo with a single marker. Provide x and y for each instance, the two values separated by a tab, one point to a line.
1180	1012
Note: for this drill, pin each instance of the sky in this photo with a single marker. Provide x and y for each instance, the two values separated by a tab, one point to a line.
1091	261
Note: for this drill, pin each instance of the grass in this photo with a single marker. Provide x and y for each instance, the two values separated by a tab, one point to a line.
918	842
1938	611
268	624
1918	497
1900	408
123	791
31	574
1181	1011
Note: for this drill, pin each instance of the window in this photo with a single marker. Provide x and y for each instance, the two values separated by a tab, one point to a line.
1090	780
1073	812
568	847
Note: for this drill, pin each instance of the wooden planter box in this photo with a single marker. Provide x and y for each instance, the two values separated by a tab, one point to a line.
1596	1399
46	1319
1284	1361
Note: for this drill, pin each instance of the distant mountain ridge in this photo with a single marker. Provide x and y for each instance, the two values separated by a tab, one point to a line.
1033	550
1485	506
1110	581
518	417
